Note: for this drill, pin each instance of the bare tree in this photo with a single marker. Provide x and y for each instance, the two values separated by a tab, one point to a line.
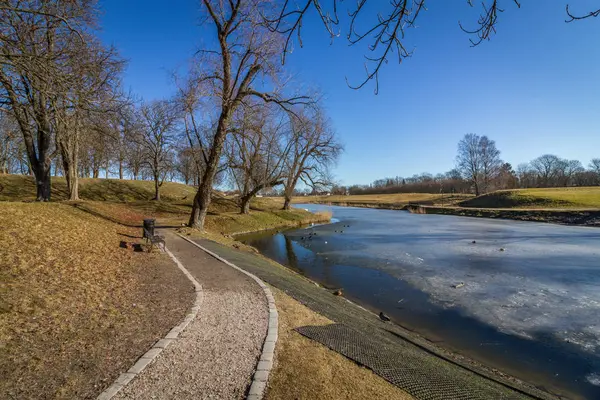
548	169
595	168
186	165
157	139
90	91
491	164
132	141
570	172
246	51
257	152
383	26
122	128
35	50
10	144
468	160
314	147
478	160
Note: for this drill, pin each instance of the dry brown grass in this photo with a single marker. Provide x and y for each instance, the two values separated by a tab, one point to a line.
75	307
22	187
223	218
576	198
308	370
397	199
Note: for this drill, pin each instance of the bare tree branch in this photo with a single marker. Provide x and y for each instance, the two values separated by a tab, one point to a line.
573	17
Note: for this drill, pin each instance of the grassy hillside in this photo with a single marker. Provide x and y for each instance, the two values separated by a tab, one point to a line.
547	198
397	200
22	187
127	202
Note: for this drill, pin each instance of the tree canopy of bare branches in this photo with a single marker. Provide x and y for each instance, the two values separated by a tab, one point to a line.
314	148
157	140
479	161
242	66
381	25
256	154
50	60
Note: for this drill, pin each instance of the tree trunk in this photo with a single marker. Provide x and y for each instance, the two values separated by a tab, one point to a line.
287	202
288	191
199	208
72	179
202	198
156	188
95	172
245	204
69	150
39	160
43	181
120	169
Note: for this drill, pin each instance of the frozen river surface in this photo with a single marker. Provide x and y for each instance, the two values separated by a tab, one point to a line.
522	296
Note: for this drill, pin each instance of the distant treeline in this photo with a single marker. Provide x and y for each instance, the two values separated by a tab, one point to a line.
480	170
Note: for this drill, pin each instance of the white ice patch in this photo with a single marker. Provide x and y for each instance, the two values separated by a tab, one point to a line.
521	307
545	283
593	378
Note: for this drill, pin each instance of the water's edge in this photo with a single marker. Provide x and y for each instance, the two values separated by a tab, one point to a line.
562	217
464	324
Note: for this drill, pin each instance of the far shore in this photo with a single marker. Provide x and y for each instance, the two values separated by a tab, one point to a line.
579	217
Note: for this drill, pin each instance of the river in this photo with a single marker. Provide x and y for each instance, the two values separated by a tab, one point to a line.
522	297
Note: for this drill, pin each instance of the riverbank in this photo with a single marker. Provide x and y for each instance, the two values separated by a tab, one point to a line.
407	360
397	201
556	216
303	369
565	217
568	206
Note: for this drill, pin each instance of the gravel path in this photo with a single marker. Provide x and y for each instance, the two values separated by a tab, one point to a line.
215	357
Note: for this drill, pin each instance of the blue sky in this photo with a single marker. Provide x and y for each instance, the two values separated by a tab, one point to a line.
534	88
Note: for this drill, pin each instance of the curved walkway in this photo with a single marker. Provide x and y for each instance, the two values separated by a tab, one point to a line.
217	354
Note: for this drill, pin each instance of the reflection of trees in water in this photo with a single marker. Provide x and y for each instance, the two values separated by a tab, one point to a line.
315	267
292	259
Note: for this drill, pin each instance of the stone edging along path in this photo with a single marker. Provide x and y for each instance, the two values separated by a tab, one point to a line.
159	346
265	363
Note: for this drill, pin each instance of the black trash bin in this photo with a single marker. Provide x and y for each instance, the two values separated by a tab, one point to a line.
149	228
